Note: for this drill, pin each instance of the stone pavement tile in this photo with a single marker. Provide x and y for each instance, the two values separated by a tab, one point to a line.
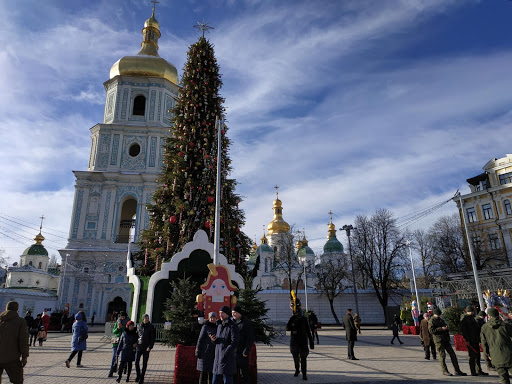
380	362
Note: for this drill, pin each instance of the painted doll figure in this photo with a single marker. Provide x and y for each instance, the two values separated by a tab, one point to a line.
217	291
415	313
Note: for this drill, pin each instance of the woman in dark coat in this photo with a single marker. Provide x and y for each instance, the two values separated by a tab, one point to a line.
126	348
205	349
78	343
34	329
300	337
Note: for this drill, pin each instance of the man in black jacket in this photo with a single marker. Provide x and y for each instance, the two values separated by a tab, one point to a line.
146	341
351	333
300	337
471	333
245	342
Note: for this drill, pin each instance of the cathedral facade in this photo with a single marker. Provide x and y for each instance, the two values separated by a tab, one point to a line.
109	209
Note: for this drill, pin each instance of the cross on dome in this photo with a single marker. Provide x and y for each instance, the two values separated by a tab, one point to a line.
276	188
155	2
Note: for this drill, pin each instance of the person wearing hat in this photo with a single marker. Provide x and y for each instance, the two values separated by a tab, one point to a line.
78	340
205	349
126	349
145	343
117	332
245	342
441	335
313	324
480	320
496	338
226	341
471	333
300	337
13	343
426	338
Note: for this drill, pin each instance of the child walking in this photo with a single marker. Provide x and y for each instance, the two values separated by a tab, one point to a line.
395	327
126	348
41	335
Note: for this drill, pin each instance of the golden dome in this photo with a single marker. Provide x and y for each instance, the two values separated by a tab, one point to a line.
39	238
147	62
278	225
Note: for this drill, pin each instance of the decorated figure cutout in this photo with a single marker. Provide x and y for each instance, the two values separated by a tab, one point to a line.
217	291
430	308
415	313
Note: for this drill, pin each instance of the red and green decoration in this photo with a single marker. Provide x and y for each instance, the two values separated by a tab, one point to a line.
184	202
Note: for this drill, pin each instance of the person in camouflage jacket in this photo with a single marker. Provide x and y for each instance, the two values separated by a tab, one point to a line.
496	338
441	336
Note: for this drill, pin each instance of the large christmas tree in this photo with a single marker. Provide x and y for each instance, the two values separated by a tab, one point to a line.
185	199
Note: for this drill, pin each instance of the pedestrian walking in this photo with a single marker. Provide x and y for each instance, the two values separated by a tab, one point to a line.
145	342
126	348
471	333
480	320
41	335
350	333
313	325
226	341
13	343
395	327
441	335
426	338
46	323
205	349
357	322
92	320
496	338
245	343
300	337
34	329
29	319
116	335
64	321
78	340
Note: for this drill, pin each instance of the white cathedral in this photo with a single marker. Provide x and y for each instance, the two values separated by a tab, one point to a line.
109	209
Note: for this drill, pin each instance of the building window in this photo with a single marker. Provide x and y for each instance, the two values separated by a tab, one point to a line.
494	242
486	208
139	105
30	263
482	186
91	225
86	270
506	178
266	265
508	209
471	214
476	240
40	265
134	150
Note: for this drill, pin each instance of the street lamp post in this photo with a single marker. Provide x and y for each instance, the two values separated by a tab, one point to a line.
473	262
305	282
347	229
408	243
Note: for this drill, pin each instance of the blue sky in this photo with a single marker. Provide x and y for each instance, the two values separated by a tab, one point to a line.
348	106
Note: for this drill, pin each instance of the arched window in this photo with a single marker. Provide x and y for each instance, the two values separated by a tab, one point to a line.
30	263
508	209
139	105
40	265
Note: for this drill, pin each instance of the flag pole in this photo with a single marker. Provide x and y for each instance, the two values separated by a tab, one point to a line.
219	122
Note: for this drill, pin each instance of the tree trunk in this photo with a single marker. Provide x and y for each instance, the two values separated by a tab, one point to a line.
331	304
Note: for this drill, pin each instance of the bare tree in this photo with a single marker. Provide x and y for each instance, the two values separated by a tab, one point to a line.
449	246
285	258
425	246
380	249
331	275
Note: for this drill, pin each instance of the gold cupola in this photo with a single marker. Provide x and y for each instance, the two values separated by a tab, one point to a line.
278	225
147	62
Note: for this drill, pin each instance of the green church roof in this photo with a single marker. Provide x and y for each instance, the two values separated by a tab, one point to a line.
333	245
36	249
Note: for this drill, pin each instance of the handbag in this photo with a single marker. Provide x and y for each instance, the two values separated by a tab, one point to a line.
114	340
83	335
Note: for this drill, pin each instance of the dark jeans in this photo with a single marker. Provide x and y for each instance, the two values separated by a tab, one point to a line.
122	366
145	356
205	377
474	357
242	368
73	355
14	370
396	337
32	337
114	352
217	379
351	349
428	349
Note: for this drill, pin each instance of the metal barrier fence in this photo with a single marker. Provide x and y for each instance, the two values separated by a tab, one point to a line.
109	327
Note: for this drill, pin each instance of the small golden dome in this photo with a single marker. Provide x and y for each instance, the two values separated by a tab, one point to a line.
278	225
39	238
147	62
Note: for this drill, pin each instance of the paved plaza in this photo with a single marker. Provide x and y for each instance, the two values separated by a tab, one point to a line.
380	362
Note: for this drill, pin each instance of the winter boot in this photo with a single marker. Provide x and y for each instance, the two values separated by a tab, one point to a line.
296	362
